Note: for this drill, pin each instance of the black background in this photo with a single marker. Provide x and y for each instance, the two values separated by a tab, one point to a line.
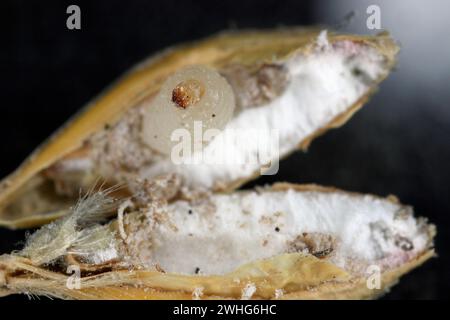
397	144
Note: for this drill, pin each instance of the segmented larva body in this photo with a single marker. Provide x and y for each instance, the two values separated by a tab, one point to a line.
193	94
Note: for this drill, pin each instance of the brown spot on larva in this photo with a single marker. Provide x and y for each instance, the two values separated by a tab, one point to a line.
404	243
265	242
188	93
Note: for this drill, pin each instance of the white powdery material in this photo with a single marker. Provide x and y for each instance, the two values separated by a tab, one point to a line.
323	85
103	255
251	226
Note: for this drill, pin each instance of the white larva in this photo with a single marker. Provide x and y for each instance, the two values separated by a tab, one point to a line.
193	94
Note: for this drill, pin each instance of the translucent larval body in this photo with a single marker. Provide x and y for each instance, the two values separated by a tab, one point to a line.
193	94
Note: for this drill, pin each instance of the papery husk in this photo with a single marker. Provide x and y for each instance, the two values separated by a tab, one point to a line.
298	275
248	48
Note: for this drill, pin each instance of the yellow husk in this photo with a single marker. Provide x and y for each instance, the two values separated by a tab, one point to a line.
26	185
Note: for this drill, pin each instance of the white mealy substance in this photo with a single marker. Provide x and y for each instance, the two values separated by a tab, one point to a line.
323	85
249	226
